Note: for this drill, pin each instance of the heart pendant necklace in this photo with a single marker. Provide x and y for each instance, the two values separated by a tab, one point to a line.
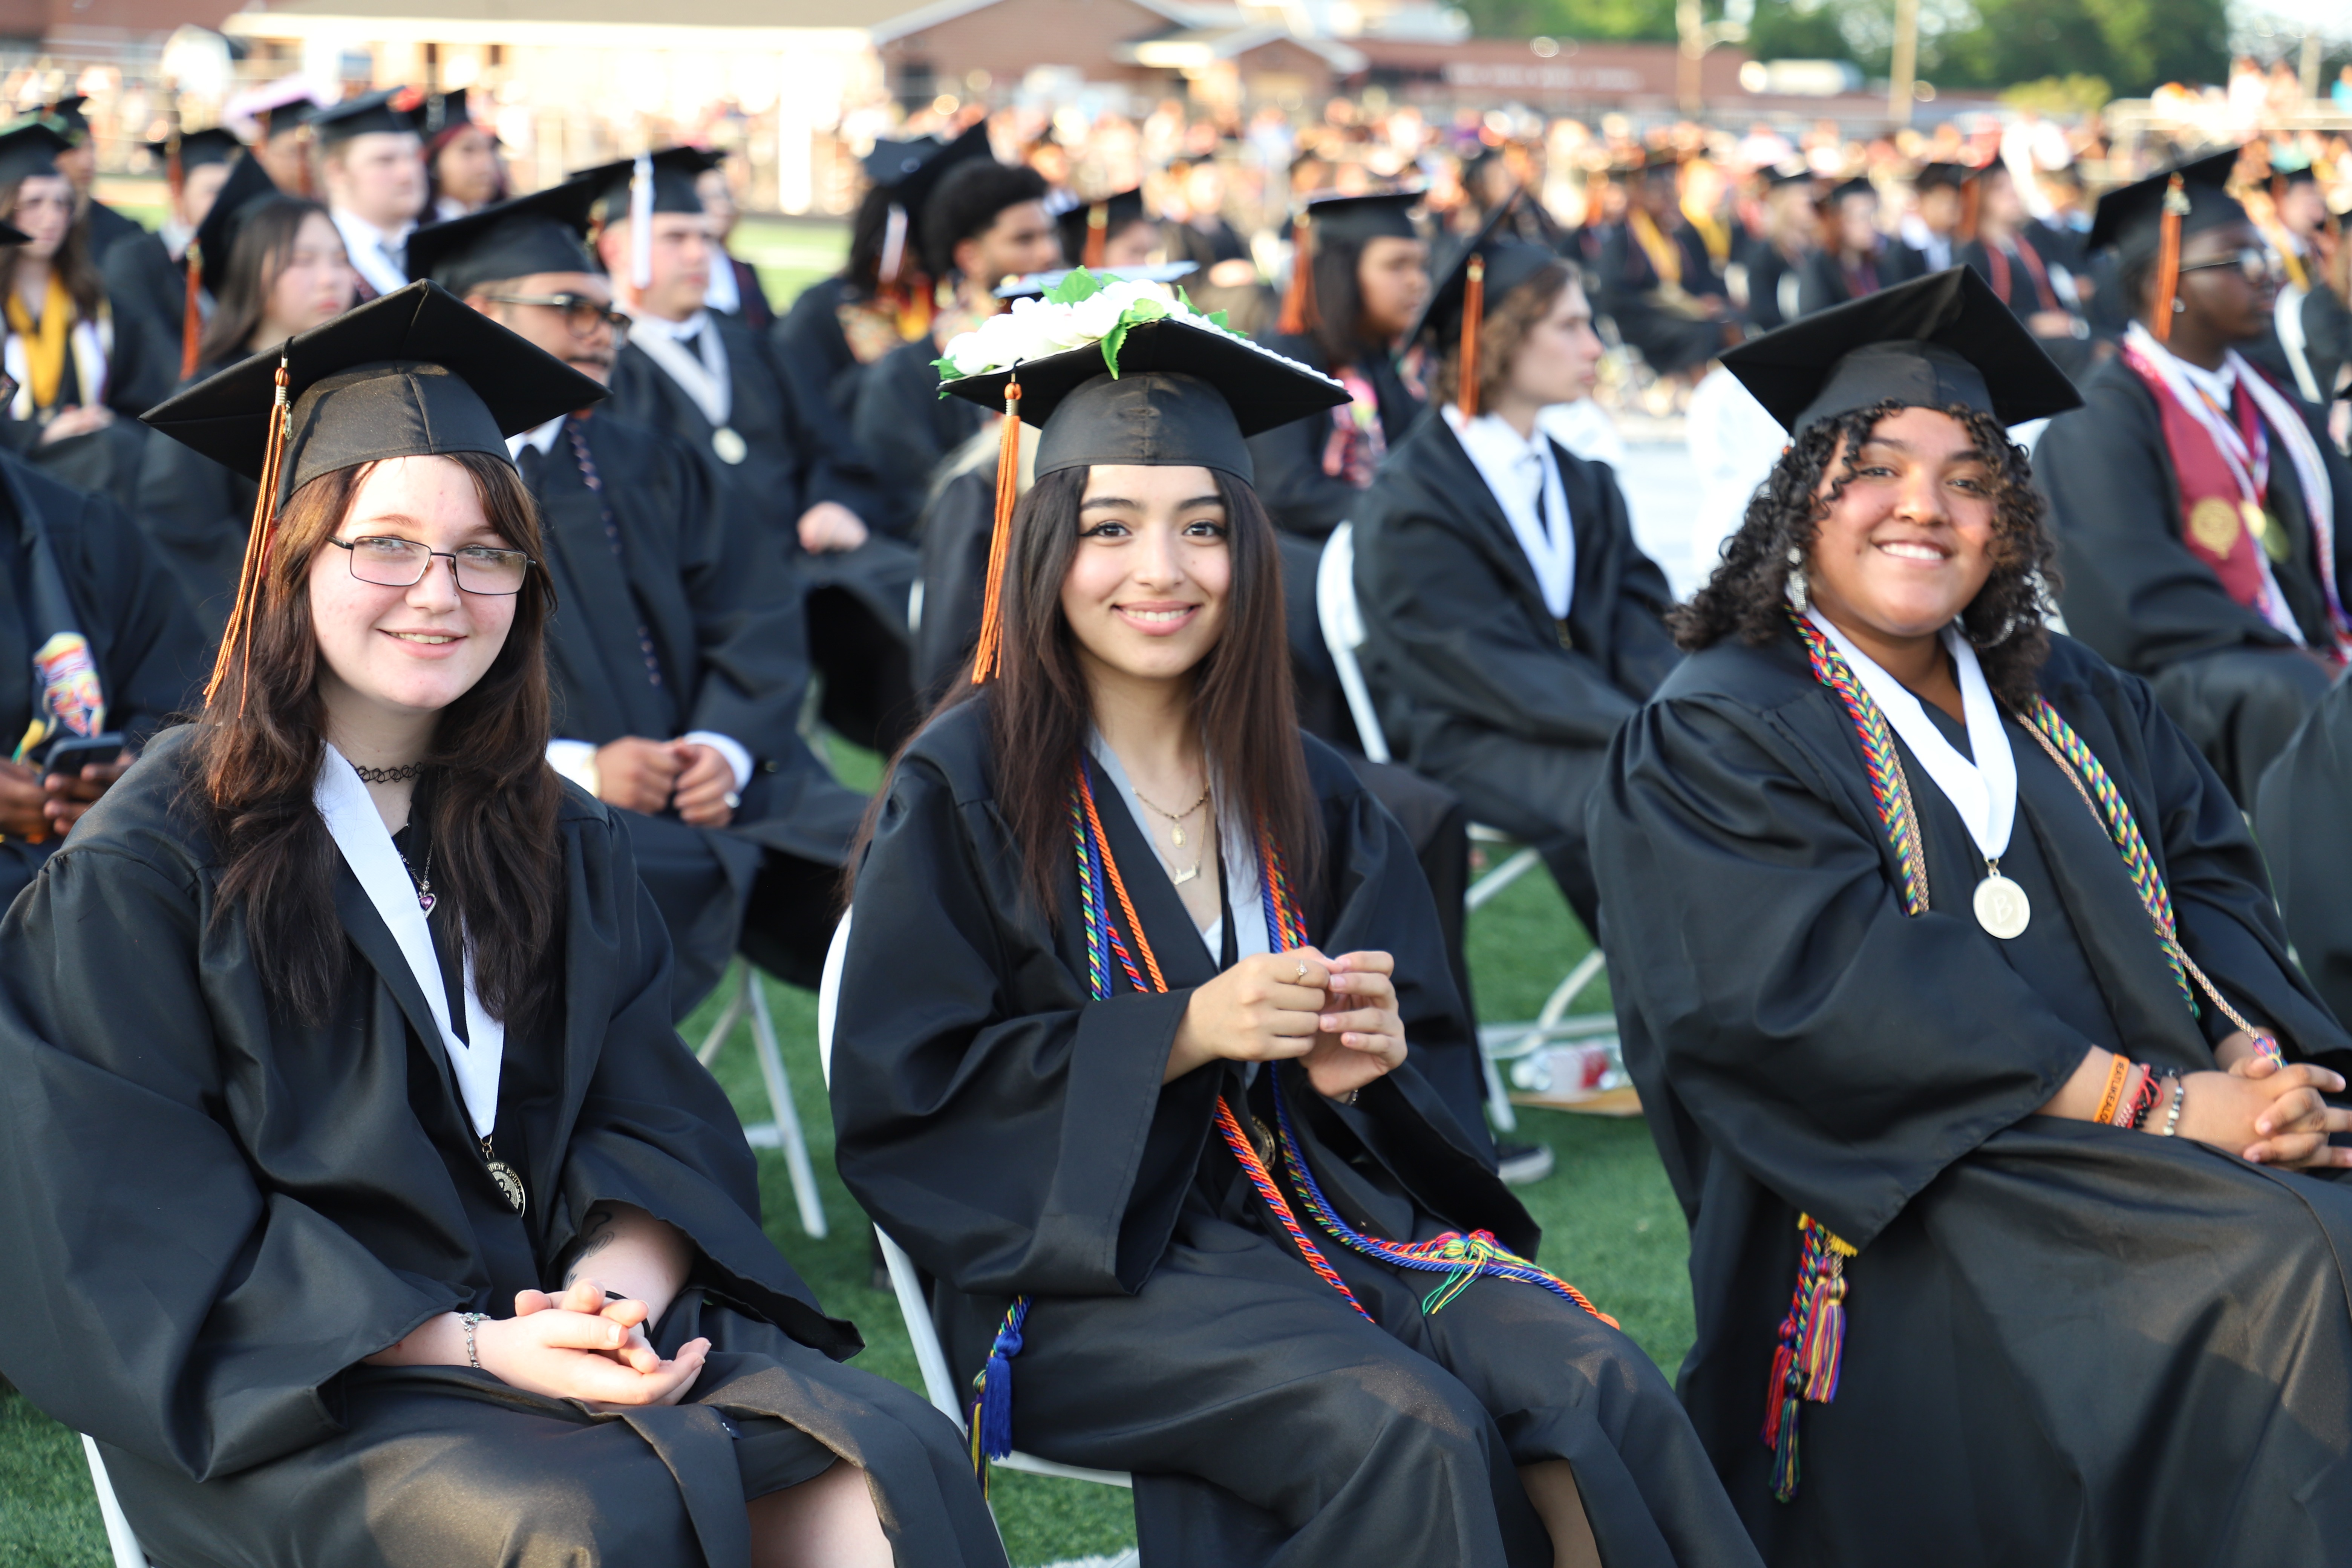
423	882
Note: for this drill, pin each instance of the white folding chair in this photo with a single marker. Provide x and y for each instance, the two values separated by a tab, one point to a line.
938	1384
747	994
120	1536
1343	633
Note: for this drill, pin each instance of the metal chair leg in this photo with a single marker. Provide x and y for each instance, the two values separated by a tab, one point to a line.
739	996
788	1118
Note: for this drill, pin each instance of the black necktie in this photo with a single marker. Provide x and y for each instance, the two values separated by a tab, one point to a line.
530	462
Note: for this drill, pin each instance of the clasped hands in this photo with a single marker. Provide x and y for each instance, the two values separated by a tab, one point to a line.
2282	1107
574	1344
651	776
34	806
1337	1017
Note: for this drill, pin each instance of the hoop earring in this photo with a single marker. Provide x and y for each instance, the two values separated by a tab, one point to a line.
1799	595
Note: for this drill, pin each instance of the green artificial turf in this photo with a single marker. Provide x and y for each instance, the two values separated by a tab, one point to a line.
1609	1226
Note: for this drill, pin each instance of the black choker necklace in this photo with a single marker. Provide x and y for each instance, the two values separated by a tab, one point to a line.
401	775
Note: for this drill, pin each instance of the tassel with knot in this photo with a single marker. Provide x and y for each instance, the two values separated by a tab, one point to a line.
1810	1346
237	638
1298	312
1474	319
992	1394
192	313
2167	256
1097	236
988	654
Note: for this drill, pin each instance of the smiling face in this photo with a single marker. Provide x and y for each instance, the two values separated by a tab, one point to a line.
1148	587
1907	544
398	654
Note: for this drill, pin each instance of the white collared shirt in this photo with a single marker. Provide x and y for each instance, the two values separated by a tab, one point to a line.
375	254
1525	478
700	368
723	293
540	435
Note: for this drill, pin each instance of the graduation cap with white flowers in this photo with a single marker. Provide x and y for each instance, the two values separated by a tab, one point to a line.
1151	382
1935	342
413	373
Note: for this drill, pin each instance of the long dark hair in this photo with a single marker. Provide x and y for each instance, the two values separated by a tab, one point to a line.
260	741
256	259
1747	596
1339	328
1039	711
74	266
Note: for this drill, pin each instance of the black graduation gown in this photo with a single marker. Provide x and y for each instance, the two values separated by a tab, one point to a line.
107	228
147	287
730	641
1822	280
815	352
219	1213
856	598
152	660
2299	813
1300	497
2065	1343
1774	282
2027	294
2326	329
196	514
753	310
905	429
1014	1135
1668	339
2136	593
1479	687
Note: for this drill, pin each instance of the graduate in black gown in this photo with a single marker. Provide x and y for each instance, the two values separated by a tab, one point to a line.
716	387
1177	966
1511	621
1955	994
318	1215
147	276
882	297
2013	254
79	162
2203	518
678	653
1657	281
277	267
1855	258
1771	265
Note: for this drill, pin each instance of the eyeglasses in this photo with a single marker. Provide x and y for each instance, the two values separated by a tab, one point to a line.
402	562
581	313
2259	265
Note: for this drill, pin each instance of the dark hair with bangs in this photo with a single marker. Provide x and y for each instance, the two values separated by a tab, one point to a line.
258	744
1039	711
1747	596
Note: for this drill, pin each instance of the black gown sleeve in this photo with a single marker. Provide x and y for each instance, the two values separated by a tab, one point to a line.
2300	813
196	515
150	650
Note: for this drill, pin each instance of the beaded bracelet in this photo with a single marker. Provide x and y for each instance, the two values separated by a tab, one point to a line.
2118	1070
472	1321
2151	1089
2180	1098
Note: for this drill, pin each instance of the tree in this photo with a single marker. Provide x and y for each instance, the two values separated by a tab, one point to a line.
2135	45
1572	18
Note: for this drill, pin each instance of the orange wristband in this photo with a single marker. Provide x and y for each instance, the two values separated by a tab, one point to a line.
2118	1073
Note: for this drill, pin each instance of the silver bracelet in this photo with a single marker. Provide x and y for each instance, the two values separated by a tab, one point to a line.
471	1320
2179	1098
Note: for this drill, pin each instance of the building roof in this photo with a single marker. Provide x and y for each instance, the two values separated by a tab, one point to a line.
1191	48
483	16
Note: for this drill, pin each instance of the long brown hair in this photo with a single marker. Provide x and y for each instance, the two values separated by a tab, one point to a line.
1501	335
260	741
1039	711
256	258
72	264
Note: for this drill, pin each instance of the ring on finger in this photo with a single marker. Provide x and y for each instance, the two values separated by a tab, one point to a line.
1302	969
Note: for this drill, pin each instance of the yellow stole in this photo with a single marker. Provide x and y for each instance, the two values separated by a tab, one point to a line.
46	343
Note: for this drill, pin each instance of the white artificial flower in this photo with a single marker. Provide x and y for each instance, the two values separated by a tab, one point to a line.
1035	328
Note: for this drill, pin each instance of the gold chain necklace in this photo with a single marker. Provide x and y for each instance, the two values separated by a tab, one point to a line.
1176	831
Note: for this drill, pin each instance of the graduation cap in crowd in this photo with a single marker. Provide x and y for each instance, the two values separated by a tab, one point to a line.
1950	176
2154	215
1859	186
387	110
1328	218
31	149
1087	226
1036	285
1787	172
1481	274
66	117
247	186
193	150
285	118
442	115
1170	391
910	192
1929	344
413	373
632	190
542	232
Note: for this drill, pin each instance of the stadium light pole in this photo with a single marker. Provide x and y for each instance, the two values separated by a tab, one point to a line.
1902	76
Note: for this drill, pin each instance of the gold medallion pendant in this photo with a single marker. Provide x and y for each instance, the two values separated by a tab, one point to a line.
731	446
2001	906
2214	523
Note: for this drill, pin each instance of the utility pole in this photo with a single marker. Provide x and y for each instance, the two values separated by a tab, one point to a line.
2311	59
1698	35
1903	71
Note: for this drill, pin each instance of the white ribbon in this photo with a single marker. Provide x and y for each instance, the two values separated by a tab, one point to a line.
702	374
641	222
1983	790
367	849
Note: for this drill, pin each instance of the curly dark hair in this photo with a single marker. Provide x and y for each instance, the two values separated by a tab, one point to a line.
1747	596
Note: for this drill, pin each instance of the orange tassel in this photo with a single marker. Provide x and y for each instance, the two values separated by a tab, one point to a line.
176	179
1298	314
1971	206
2168	257
987	656
237	639
1097	236
192	314
1474	318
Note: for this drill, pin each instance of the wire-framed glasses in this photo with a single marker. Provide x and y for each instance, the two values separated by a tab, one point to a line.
581	313
402	562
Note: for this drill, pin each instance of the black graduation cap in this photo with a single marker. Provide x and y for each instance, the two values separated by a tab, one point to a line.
198	148
1184	396
1859	186
1954	177
413	373
542	232
1341	220
30	148
891	162
371	112
913	188
283	119
1787	172
247	186
1087	226
2132	216
1037	284
442	112
674	171
1509	262
70	119
1935	341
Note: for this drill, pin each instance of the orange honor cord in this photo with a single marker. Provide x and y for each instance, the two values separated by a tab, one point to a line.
1474	318
192	314
1298	314
989	654
1097	236
2168	257
237	638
